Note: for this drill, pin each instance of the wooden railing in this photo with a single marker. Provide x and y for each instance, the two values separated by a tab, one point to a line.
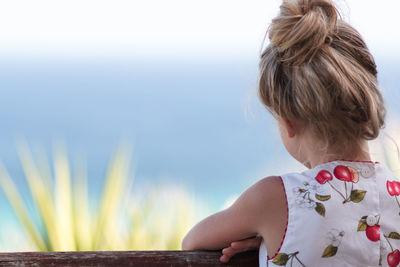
126	258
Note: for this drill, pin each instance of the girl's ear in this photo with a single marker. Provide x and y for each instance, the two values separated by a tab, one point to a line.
290	127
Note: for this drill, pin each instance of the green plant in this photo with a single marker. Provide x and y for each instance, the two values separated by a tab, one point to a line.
157	218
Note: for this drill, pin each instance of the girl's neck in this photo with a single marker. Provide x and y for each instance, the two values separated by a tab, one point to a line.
314	158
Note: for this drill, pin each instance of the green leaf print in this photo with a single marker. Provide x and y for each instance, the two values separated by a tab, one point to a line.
320	208
357	195
394	235
322	198
362	225
281	259
329	251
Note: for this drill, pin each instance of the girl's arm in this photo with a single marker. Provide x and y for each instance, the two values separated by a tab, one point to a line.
253	211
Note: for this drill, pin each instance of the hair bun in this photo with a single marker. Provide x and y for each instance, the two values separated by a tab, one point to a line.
302	28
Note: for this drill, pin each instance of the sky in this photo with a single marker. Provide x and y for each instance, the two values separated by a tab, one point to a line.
165	29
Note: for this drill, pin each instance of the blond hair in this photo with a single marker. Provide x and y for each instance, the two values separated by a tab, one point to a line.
318	70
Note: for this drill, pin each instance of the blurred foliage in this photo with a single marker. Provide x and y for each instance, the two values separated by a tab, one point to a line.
157	218
146	219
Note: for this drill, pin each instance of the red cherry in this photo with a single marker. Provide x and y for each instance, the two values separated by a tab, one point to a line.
389	186
323	176
355	175
343	173
393	258
396	187
393	187
373	232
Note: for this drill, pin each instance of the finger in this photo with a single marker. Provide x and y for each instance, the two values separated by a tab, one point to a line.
224	258
254	241
247	244
229	251
241	247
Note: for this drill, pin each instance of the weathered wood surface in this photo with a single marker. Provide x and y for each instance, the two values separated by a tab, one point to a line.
126	258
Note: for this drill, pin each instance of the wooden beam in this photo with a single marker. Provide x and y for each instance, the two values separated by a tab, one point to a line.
126	258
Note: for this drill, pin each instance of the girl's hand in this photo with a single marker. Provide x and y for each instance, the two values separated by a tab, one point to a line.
251	243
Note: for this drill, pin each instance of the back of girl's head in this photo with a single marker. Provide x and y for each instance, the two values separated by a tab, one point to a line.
318	70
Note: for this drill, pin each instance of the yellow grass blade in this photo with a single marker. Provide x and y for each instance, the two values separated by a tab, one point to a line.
82	219
41	194
63	200
18	205
140	213
114	189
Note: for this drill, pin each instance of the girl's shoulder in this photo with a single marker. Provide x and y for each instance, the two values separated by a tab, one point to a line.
266	200
269	190
270	183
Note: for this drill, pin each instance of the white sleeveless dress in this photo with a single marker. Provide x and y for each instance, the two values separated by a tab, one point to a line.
340	213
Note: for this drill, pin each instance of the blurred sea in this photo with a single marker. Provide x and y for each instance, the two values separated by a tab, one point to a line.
195	123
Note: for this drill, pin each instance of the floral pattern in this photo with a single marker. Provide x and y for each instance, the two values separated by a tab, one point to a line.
335	238
329	186
310	195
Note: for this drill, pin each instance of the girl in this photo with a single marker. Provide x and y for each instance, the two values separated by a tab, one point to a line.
318	79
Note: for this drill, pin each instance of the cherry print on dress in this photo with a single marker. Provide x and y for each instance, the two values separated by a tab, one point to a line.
346	174
393	258
323	176
373	234
393	188
371	231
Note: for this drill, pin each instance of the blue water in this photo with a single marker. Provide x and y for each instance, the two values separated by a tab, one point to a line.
195	122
